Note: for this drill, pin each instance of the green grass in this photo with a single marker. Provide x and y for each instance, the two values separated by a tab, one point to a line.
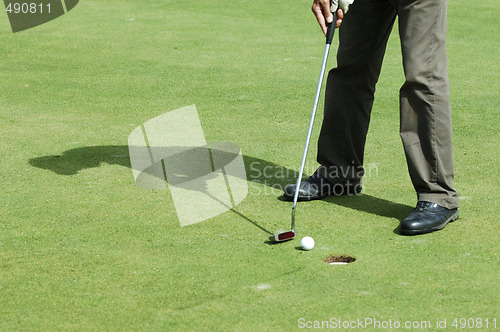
83	248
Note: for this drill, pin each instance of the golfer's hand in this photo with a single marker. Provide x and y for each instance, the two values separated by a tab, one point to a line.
322	9
341	4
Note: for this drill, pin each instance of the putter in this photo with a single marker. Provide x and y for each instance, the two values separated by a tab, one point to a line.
289	235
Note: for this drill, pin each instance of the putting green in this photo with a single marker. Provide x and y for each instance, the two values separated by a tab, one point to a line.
83	248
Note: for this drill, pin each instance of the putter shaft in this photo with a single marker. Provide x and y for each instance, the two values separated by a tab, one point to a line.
329	37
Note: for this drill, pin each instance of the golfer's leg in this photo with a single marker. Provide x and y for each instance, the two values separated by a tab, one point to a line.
350	88
425	101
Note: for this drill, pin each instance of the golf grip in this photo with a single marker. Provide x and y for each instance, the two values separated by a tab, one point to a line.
331	29
329	37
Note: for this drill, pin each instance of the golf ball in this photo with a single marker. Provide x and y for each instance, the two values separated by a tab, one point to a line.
307	243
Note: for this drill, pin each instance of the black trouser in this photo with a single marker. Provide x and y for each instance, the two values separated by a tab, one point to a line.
425	110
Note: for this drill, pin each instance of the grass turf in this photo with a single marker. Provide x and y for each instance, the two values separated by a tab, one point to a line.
83	248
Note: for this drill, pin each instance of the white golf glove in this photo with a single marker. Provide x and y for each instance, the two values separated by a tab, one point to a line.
342	4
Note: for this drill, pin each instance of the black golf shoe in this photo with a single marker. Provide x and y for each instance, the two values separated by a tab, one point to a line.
318	187
427	217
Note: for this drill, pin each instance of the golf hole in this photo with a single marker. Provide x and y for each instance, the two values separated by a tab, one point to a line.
339	260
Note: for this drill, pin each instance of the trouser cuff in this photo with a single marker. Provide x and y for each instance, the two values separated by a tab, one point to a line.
342	174
446	201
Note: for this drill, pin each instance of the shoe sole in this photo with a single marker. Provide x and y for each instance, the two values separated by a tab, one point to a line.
305	198
452	218
314	198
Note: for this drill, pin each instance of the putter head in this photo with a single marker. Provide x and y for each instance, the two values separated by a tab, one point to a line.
283	236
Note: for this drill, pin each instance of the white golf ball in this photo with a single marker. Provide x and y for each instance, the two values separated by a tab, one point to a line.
307	243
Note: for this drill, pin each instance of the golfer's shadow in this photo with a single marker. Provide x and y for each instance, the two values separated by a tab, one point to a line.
373	205
185	165
258	171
